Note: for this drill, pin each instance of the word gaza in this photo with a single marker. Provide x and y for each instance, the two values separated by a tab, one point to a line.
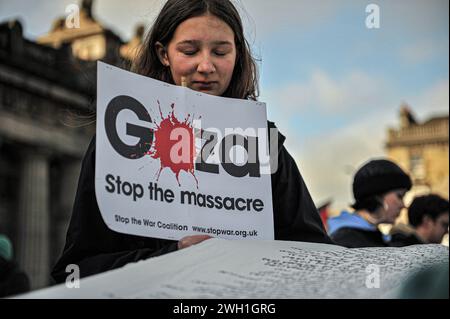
146	139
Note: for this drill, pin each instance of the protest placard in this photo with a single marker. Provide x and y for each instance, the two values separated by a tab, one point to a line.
172	162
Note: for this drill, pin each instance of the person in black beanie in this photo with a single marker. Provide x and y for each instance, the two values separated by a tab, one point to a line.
378	188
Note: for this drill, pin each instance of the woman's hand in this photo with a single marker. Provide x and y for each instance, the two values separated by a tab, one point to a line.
192	240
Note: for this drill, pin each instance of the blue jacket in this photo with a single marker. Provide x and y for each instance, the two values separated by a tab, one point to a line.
348	220
351	230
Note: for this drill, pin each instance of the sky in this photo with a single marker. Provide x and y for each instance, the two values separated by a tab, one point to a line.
332	85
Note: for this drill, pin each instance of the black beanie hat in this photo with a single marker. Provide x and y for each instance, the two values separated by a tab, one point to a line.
378	177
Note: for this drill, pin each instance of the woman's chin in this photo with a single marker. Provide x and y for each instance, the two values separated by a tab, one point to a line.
209	92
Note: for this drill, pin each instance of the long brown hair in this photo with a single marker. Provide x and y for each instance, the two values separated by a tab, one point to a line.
244	82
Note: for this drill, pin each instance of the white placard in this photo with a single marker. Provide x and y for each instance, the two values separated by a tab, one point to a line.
172	162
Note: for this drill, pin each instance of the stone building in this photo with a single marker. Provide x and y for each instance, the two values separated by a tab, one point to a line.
422	150
47	118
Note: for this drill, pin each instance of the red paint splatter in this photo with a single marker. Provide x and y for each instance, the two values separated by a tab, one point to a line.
170	151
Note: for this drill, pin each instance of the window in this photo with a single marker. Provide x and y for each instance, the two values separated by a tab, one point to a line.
417	166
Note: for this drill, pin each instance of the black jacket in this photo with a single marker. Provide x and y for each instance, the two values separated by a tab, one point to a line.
358	238
405	235
401	240
95	248
13	281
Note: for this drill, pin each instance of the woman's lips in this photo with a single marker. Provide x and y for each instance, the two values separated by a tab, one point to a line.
204	85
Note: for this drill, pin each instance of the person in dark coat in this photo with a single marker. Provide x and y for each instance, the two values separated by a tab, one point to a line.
13	280
378	188
428	222
221	67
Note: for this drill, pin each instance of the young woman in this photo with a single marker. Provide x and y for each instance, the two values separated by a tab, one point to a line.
378	187
200	44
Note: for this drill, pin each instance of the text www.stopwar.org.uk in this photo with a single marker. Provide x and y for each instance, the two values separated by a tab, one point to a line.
227	232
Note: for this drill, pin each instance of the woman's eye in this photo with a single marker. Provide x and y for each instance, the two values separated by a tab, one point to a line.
220	53
189	52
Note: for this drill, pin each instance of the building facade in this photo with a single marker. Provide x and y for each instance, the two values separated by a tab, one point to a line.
47	118
422	150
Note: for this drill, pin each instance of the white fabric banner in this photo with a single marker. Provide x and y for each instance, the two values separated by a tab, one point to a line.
225	269
172	162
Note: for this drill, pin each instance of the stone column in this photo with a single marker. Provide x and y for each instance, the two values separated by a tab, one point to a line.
33	219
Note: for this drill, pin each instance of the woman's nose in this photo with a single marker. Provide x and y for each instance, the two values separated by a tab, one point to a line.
206	65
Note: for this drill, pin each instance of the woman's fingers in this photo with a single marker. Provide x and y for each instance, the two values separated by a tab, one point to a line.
192	240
